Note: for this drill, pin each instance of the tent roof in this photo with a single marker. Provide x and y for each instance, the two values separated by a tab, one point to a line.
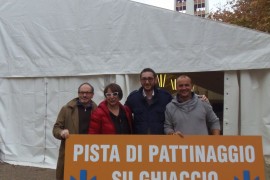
72	38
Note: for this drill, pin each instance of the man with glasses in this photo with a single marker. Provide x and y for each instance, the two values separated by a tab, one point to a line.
73	118
148	104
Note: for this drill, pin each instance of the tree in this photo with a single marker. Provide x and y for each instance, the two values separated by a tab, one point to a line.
254	14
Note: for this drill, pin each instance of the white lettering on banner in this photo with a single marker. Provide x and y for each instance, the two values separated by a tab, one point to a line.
134	153
211	154
93	152
166	153
95	155
195	175
247	154
184	149
201	153
124	175
78	150
184	175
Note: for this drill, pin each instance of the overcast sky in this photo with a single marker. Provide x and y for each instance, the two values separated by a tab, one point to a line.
216	3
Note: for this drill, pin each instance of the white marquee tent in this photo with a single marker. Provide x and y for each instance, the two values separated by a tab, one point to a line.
49	47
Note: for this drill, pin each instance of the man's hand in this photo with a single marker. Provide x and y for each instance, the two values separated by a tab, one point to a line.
65	133
203	98
177	133
215	132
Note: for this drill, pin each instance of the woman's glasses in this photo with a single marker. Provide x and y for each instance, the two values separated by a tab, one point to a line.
111	94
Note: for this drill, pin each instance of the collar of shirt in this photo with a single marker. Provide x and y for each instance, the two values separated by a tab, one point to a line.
144	94
86	107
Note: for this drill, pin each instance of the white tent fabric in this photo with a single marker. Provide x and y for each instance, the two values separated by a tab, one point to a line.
247	105
48	47
41	37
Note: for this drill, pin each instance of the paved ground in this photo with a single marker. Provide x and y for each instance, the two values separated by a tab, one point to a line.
267	172
14	172
267	168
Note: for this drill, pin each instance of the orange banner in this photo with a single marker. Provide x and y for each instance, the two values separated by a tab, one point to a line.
163	157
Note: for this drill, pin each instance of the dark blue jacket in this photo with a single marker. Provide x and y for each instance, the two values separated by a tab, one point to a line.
148	119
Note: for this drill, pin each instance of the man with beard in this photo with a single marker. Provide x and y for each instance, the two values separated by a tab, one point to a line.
186	114
73	118
148	105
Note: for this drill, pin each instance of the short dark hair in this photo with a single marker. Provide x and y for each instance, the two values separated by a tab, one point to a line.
86	84
148	70
114	88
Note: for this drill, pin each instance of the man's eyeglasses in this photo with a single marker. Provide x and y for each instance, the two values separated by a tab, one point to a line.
87	93
150	79
111	94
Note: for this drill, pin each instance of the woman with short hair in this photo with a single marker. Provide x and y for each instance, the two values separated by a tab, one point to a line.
111	117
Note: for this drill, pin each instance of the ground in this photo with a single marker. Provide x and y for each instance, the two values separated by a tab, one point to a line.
267	171
14	172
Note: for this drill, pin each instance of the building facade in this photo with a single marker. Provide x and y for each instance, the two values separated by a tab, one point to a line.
193	7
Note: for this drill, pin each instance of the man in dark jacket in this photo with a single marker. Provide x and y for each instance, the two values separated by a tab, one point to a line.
148	104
